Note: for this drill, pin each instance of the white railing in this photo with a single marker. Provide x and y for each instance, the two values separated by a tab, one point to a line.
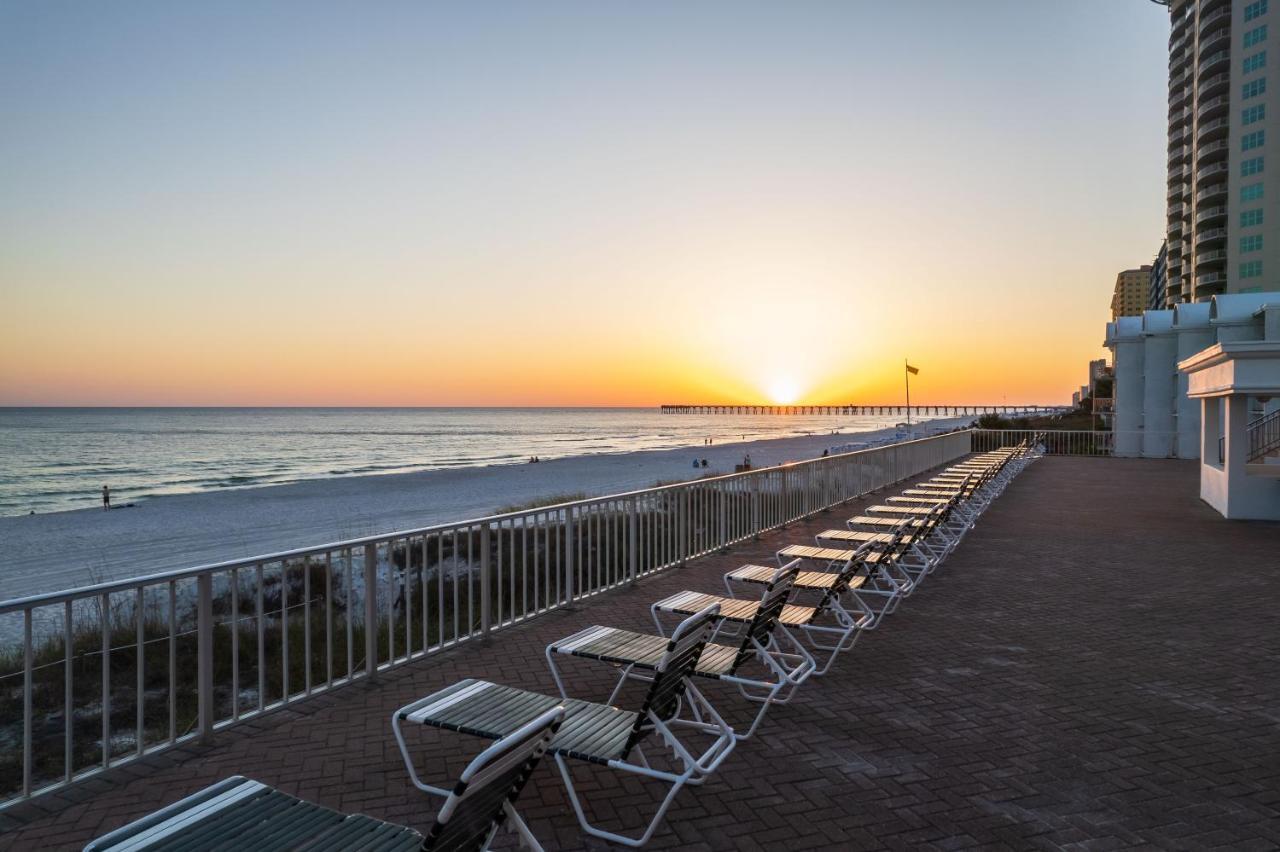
106	673
1053	441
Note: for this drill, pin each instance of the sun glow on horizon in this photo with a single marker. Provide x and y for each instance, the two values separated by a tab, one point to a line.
783	390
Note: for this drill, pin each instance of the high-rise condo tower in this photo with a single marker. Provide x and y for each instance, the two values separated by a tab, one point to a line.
1224	171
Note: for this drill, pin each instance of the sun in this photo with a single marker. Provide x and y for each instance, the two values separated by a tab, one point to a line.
784	390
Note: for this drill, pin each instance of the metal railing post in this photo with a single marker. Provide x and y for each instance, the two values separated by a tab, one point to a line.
633	542
755	508
370	609
722	518
682	525
486	605
570	547
28	663
782	491
204	654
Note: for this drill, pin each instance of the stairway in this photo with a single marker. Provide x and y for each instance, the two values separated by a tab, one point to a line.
1263	436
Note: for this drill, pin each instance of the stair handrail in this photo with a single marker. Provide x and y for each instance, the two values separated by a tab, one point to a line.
1263	436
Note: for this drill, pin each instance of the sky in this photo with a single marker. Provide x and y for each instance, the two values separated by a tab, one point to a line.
570	203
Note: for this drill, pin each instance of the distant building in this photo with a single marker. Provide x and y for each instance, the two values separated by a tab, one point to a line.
1220	105
1130	295
1159	274
1097	369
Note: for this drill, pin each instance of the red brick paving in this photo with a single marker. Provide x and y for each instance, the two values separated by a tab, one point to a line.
1098	664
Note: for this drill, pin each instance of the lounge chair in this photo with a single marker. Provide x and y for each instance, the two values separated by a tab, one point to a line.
761	641
881	556
826	626
596	733
921	544
244	815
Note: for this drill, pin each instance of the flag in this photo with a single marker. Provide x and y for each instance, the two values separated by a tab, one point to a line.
912	370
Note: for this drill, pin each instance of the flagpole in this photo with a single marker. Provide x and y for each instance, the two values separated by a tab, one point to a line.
906	372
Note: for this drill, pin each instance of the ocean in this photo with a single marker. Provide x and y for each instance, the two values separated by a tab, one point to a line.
53	459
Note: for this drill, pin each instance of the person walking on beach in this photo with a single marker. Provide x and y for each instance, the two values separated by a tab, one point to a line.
106	497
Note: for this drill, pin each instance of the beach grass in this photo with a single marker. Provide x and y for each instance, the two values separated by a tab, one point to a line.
541	502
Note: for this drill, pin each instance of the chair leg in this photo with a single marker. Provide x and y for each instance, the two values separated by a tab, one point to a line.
517	824
633	842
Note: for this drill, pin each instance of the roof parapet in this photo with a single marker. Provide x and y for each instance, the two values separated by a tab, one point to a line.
1157	322
1239	307
1128	328
1189	315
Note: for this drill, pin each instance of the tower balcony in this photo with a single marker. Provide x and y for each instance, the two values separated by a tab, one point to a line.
1215	20
1214	84
1214	62
1213	108
1217	38
1211	130
1211	261
1215	192
1204	172
1210	237
1210	281
1212	152
1179	23
1211	215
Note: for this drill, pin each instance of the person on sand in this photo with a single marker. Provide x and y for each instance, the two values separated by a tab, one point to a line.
106	497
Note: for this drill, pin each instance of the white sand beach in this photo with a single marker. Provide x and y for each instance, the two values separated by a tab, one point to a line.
58	550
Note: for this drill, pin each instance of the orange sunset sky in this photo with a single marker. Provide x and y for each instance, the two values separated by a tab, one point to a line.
591	205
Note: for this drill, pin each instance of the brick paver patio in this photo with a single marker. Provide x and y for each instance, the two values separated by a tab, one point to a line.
1098	664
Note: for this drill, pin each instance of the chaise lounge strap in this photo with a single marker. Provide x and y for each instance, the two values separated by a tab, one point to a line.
593	732
731	609
828	554
868	521
643	650
810	580
902	510
247	815
862	537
